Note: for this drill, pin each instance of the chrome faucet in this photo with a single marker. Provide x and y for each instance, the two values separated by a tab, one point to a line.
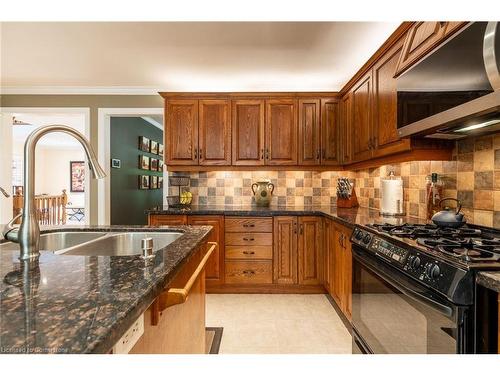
28	234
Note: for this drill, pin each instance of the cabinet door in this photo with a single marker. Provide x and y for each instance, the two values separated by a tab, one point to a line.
248	132
215	132
420	39
385	133
330	132
309	250
337	261
281	132
347	266
181	133
326	254
156	220
285	250
309	132
346	129
214	268
361	119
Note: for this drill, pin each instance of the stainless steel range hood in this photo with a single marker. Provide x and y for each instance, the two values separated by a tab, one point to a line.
455	91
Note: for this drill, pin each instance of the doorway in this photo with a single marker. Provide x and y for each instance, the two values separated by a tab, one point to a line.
62	195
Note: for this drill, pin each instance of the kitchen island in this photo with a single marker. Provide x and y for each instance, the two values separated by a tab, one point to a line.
84	304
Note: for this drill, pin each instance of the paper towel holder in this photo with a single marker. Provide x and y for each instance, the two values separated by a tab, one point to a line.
399	202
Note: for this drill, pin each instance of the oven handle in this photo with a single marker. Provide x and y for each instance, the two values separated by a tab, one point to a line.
403	286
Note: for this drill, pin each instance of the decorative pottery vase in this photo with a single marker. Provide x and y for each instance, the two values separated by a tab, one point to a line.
263	192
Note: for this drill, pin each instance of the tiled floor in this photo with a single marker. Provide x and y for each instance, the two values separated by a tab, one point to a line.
277	324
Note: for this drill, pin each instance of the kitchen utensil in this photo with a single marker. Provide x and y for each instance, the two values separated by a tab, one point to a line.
263	191
447	217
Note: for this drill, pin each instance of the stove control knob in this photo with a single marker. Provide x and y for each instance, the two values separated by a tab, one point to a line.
433	271
414	262
359	235
367	238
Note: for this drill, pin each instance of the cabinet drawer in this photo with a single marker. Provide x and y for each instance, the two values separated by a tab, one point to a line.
249	239
249	252
249	272
249	224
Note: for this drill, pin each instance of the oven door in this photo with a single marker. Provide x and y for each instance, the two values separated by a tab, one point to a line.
392	313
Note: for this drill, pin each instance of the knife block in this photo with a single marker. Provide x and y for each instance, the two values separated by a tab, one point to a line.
350	202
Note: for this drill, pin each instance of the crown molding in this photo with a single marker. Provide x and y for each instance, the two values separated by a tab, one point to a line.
79	90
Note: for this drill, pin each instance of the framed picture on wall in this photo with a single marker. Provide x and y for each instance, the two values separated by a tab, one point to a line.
154	164
143	182
160	165
144	144
160	149
154	182
144	162
154	147
160	182
77	176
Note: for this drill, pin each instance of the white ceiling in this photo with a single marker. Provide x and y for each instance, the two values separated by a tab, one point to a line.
59	140
182	56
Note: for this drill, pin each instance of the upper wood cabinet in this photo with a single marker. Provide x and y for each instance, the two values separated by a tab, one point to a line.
385	138
285	250
330	132
281	132
214	132
309	132
181	133
346	129
309	250
248	132
422	38
362	119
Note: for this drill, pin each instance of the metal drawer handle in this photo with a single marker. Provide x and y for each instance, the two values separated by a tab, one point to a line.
249	252
175	296
248	239
248	272
248	225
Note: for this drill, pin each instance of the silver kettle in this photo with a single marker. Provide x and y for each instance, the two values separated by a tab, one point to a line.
448	217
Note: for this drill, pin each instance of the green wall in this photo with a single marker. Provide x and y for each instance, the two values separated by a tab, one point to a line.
127	201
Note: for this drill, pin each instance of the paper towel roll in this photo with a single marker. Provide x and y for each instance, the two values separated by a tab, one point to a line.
392	197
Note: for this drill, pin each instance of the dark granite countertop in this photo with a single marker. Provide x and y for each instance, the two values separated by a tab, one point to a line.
489	279
346	216
82	304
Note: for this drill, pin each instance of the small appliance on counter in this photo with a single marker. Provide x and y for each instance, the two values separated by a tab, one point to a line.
263	192
346	195
392	196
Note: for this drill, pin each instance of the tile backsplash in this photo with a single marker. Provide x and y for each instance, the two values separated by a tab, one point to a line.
473	176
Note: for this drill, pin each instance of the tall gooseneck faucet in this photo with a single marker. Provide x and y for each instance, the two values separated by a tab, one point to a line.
28	234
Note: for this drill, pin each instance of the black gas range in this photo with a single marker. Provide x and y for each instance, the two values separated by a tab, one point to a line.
419	280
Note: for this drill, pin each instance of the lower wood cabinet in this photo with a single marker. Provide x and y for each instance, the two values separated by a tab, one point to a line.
214	270
177	329
297	249
157	220
249	272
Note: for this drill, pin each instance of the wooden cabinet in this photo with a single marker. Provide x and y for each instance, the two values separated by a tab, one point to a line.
281	132
330	132
177	329
346	129
198	132
157	220
214	132
181	133
362	119
214	270
385	117
422	38
341	263
297	250
310	132
248	132
309	250
328	253
285	250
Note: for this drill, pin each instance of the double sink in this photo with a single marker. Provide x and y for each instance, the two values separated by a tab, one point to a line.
99	243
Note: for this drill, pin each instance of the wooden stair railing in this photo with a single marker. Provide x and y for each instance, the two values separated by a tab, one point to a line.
50	209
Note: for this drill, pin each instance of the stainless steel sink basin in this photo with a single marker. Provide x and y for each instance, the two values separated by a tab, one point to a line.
121	244
59	240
